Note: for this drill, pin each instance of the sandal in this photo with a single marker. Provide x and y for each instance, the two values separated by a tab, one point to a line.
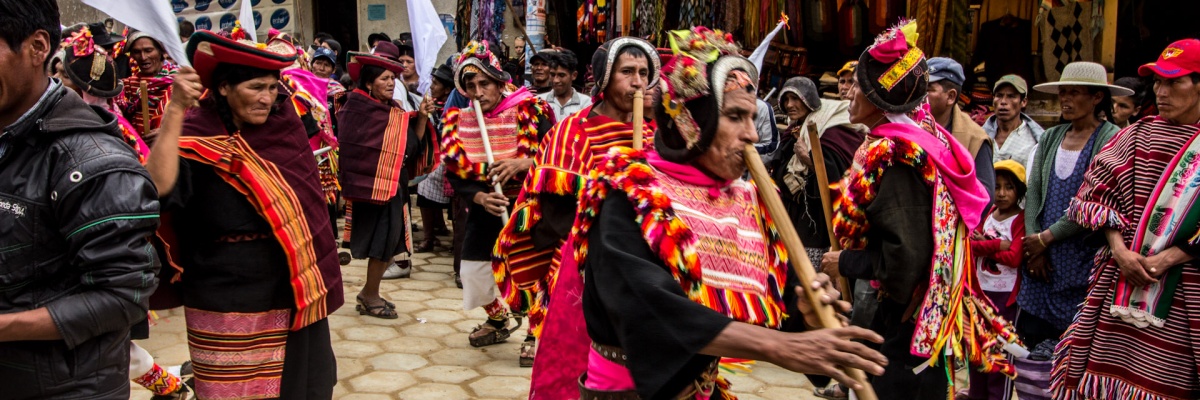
491	334
387	310
457	280
832	392
428	246
528	350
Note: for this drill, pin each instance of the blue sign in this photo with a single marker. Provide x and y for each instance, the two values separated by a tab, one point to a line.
376	12
179	5
257	20
278	1
254	3
226	3
204	24
202	5
280	18
227	21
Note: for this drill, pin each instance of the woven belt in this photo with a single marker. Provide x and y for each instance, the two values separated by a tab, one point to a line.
705	384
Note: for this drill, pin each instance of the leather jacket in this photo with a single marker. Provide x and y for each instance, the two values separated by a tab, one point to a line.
76	214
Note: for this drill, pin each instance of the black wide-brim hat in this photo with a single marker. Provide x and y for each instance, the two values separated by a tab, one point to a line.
206	50
94	74
101	36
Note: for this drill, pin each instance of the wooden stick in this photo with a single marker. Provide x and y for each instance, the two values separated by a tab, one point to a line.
638	118
801	266
145	97
487	149
818	159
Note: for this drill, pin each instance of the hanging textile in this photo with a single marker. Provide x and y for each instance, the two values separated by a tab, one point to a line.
648	19
462	23
956	42
930	22
693	13
733	15
593	20
489	21
1066	36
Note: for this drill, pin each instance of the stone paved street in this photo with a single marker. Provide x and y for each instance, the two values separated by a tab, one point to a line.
424	354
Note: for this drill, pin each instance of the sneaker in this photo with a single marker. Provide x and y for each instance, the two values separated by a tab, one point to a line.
396	271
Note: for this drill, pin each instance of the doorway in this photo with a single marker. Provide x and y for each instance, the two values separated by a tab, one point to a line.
340	20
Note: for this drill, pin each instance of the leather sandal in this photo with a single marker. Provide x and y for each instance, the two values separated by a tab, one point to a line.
491	334
528	350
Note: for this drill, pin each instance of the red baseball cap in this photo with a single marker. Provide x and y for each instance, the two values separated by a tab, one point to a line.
1179	59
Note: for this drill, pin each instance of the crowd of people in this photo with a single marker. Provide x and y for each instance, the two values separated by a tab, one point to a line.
630	237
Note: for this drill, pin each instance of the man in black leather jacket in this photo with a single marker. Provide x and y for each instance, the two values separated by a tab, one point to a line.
76	211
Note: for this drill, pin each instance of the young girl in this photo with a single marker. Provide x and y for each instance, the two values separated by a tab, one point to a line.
997	246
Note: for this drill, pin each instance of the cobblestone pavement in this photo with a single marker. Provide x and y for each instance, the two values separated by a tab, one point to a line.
424	354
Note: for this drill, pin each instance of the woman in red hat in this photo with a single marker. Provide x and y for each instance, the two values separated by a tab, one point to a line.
377	143
250	250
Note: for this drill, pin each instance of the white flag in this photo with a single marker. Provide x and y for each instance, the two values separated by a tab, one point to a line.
428	36
761	52
154	17
247	18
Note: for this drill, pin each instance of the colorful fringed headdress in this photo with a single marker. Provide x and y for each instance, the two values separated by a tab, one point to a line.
892	72
701	60
88	66
478	58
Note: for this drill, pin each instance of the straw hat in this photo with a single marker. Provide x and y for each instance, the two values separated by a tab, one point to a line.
1083	73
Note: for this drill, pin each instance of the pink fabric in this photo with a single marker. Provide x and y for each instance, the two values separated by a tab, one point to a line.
954	164
317	86
142	148
688	174
509	101
891	50
563	347
605	375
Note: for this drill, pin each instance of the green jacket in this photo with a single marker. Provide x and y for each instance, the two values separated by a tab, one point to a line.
1040	168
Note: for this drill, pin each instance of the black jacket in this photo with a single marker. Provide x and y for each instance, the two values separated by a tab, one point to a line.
76	213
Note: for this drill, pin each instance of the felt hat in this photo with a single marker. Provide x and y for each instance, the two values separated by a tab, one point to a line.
476	57
605	58
101	36
1178	59
696	82
1012	166
1016	81
378	36
1083	73
385	55
444	74
91	71
893	72
207	50
805	89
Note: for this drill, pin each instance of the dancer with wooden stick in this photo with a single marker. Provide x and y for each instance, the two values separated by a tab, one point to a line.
535	243
684	263
487	150
902	216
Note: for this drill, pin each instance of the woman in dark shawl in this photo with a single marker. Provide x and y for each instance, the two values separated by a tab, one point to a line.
250	249
376	142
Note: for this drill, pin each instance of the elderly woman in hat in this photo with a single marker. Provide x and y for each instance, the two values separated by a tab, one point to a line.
378	140
904	211
251	252
515	121
1058	258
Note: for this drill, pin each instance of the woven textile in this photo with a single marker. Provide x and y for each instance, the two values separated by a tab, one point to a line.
158	93
1102	356
723	256
237	355
512	134
1066	37
570	152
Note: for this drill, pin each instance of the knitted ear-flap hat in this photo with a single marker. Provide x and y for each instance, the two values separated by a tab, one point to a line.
893	72
704	66
605	58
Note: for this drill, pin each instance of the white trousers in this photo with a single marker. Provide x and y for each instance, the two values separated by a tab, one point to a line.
479	285
140	361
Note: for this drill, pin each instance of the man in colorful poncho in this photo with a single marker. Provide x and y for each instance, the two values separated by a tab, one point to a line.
528	253
149	65
516	122
682	263
1135	335
913	243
